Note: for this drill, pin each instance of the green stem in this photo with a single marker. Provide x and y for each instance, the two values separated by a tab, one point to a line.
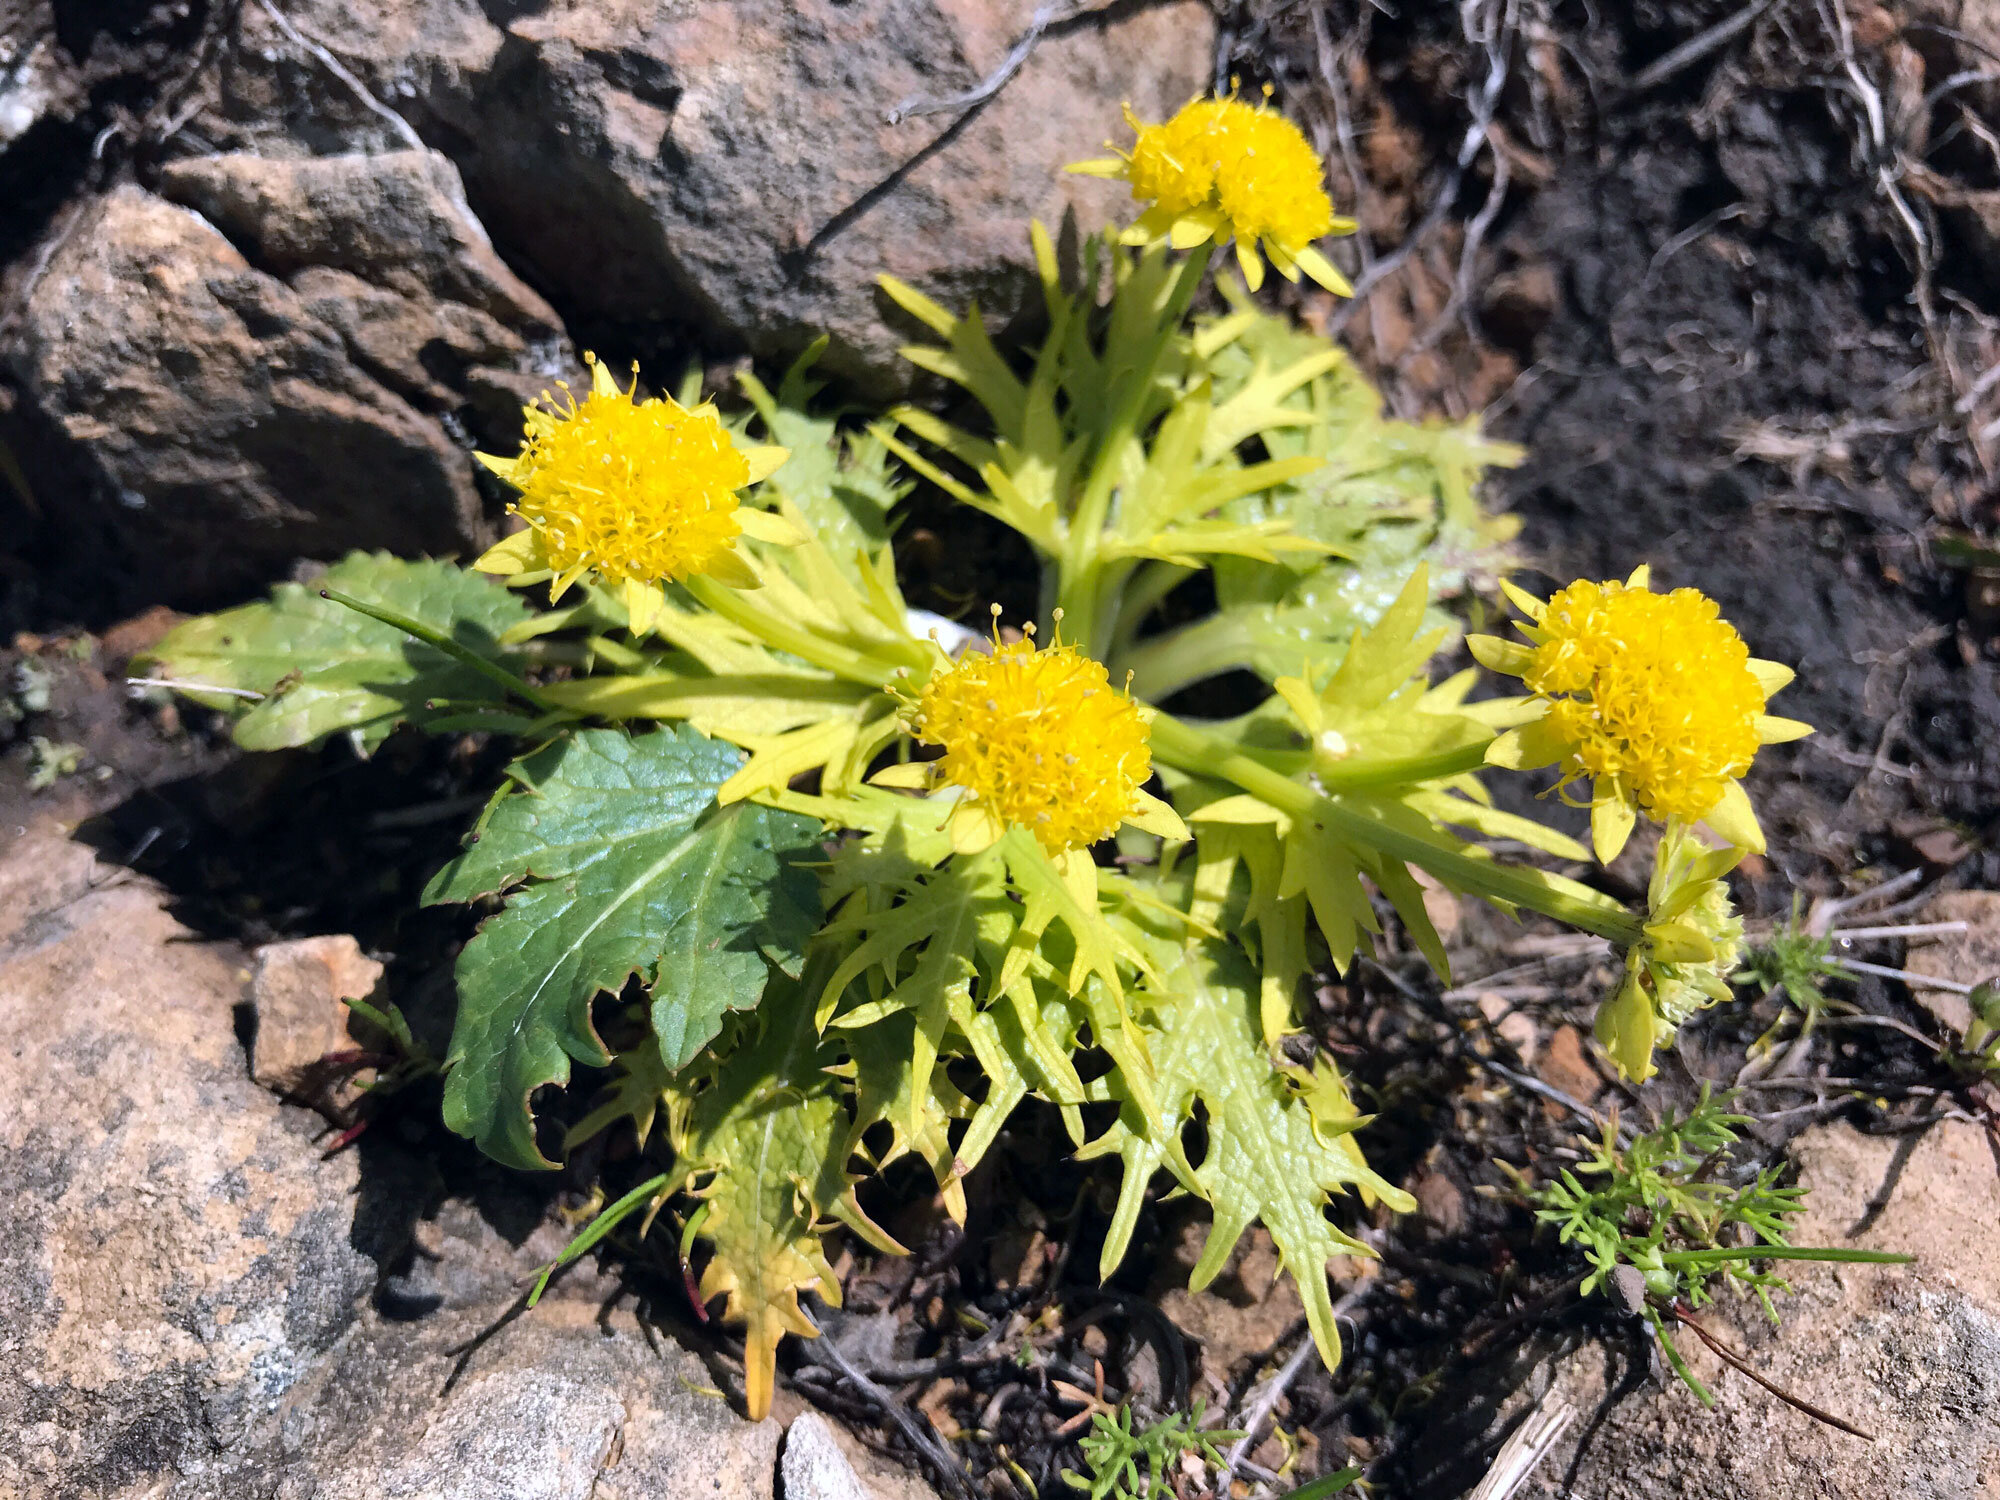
1190	749
1365	776
431	636
662	695
1783	1252
598	1228
842	661
1164	664
1079	593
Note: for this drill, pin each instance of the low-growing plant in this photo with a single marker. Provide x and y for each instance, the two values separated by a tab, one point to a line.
1794	964
856	882
1976	1053
1671	1217
1128	1465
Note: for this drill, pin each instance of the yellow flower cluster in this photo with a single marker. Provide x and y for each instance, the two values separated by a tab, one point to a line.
1039	739
1654	697
631	492
1224	170
1653	689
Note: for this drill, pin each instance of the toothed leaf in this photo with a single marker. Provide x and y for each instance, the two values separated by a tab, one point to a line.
1275	1153
762	1144
619	863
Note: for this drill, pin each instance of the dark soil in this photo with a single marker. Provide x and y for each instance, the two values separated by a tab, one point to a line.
1728	354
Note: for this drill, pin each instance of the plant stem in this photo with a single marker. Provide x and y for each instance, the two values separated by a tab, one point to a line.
842	661
1720	1253
1180	744
1408	770
462	654
1081	570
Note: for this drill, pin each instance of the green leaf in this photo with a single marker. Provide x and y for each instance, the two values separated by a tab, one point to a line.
763	1141
1271	1156
324	667
954	916
1327	1484
620	863
843	485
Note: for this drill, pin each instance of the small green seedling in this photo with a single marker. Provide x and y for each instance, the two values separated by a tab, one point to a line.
1977	1054
1114	1452
1664	1227
1795	964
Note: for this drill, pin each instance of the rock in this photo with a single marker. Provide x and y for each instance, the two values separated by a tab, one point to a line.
384	249
730	170
1566	1065
1441	1205
1908	1353
813	1467
555	1405
173	1254
880	1477
1970	957
296	990
184	1308
274	382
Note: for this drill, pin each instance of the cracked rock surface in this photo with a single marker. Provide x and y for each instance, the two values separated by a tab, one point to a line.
732	172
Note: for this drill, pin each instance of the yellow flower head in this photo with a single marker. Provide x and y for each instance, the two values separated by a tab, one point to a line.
631	492
1654	697
1224	170
1036	738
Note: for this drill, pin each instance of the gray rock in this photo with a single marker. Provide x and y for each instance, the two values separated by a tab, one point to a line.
275	380
813	1467
729	169
184	1309
173	1254
555	1405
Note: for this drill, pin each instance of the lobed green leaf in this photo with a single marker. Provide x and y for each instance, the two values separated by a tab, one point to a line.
619	863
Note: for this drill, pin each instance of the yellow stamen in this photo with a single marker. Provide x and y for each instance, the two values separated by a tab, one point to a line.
1652	690
1039	739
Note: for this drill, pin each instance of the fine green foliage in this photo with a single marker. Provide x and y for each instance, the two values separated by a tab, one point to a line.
619	863
1794	963
1976	1054
311	667
1675	1206
1670	1189
1116	1453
